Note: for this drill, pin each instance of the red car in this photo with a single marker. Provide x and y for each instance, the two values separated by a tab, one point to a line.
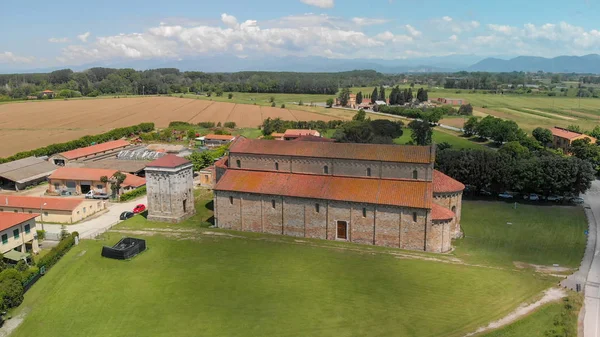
139	208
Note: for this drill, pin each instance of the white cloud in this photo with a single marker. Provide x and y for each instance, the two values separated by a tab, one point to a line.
229	20
504	29
447	18
369	21
385	36
58	39
412	31
319	3
83	37
453	38
9	57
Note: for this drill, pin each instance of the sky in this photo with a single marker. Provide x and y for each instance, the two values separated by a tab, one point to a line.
70	33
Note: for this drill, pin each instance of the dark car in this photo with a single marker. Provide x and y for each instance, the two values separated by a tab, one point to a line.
126	215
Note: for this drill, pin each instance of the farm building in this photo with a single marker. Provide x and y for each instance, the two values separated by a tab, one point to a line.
291	134
170	189
135	167
18	233
562	138
79	180
51	209
386	195
48	93
310	138
277	135
206	176
351	101
24	172
451	101
211	140
63	158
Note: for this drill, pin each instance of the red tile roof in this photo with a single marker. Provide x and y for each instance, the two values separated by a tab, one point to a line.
564	133
92	174
94	149
219	137
56	204
222	163
375	152
8	220
170	161
311	138
277	135
441	213
404	193
300	132
445	184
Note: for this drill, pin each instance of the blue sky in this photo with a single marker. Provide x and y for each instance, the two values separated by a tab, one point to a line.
82	32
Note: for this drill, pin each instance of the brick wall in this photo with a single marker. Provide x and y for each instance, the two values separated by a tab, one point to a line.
453	202
366	223
168	191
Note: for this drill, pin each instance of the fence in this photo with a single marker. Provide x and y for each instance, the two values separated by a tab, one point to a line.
95	234
52	236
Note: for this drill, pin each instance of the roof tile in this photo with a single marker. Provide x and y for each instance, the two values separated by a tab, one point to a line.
170	161
22	201
92	174
94	149
445	184
8	220
441	213
564	133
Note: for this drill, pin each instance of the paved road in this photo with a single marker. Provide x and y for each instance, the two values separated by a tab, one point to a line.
98	224
591	322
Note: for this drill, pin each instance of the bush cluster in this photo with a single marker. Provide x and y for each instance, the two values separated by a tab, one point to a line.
133	194
82	142
57	252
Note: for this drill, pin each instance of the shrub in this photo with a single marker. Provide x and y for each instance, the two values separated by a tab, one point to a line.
57	252
133	194
273	104
230	95
175	124
206	125
230	125
283	106
41	234
12	293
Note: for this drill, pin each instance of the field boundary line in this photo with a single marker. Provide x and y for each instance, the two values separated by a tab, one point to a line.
199	112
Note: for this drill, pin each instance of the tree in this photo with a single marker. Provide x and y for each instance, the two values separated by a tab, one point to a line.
200	160
329	102
387	128
381	93
191	134
283	106
230	95
219	92
505	131
360	115
596	132
355	132
433	116
585	150
344	97
421	132
470	126
374	96
409	95
230	125
115	182
273	104
485	127
515	150
574	128
544	136
466	110
359	97
271	99
421	95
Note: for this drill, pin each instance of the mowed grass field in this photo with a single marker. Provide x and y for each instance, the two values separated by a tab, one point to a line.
196	281
529	111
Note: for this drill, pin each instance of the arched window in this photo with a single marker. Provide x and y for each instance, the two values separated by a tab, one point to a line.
277	166
273	203
415	174
414	216
454	209
238	163
326	169
317	207
368	171
364	212
231	200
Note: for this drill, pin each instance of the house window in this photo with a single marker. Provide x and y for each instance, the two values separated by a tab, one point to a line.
277	166
84	210
273	203
27	229
231	200
326	169
364	212
414	216
4	239
29	212
16	211
454	209
99	187
16	233
415	174
368	171
317	208
238	163
45	213
56	186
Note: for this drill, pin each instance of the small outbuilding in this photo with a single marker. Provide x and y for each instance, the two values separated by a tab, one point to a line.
24	172
291	134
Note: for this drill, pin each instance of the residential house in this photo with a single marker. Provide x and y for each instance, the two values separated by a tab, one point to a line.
563	138
18	233
80	180
291	134
51	209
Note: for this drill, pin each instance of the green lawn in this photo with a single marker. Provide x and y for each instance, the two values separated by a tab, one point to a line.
219	286
456	141
543	320
264	98
542	235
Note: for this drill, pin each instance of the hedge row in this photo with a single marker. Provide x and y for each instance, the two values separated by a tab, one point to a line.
133	194
57	252
82	142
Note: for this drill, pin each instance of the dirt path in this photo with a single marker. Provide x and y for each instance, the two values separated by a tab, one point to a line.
550	295
11	324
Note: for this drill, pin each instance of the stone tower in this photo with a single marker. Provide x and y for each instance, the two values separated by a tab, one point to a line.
170	185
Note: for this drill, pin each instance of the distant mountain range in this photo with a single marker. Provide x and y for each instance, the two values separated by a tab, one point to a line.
451	63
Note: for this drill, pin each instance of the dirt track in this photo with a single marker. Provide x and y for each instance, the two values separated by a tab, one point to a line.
26	126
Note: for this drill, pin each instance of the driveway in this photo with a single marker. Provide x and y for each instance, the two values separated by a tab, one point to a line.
591	322
88	228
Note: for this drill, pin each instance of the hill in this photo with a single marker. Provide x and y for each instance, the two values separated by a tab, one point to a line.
560	64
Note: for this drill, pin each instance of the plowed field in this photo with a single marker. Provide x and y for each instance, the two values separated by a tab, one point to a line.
26	126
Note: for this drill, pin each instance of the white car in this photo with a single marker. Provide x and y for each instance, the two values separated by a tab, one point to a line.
534	197
554	198
505	195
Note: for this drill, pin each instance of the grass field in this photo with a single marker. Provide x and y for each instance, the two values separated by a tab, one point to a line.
541	235
440	136
198	281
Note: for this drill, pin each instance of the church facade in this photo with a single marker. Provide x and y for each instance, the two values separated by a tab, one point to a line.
387	195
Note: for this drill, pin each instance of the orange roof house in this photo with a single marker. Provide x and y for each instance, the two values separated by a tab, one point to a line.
62	158
18	233
51	209
291	134
80	180
563	138
376	194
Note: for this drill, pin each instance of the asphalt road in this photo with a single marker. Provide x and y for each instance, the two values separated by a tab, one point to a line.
591	321
98	224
